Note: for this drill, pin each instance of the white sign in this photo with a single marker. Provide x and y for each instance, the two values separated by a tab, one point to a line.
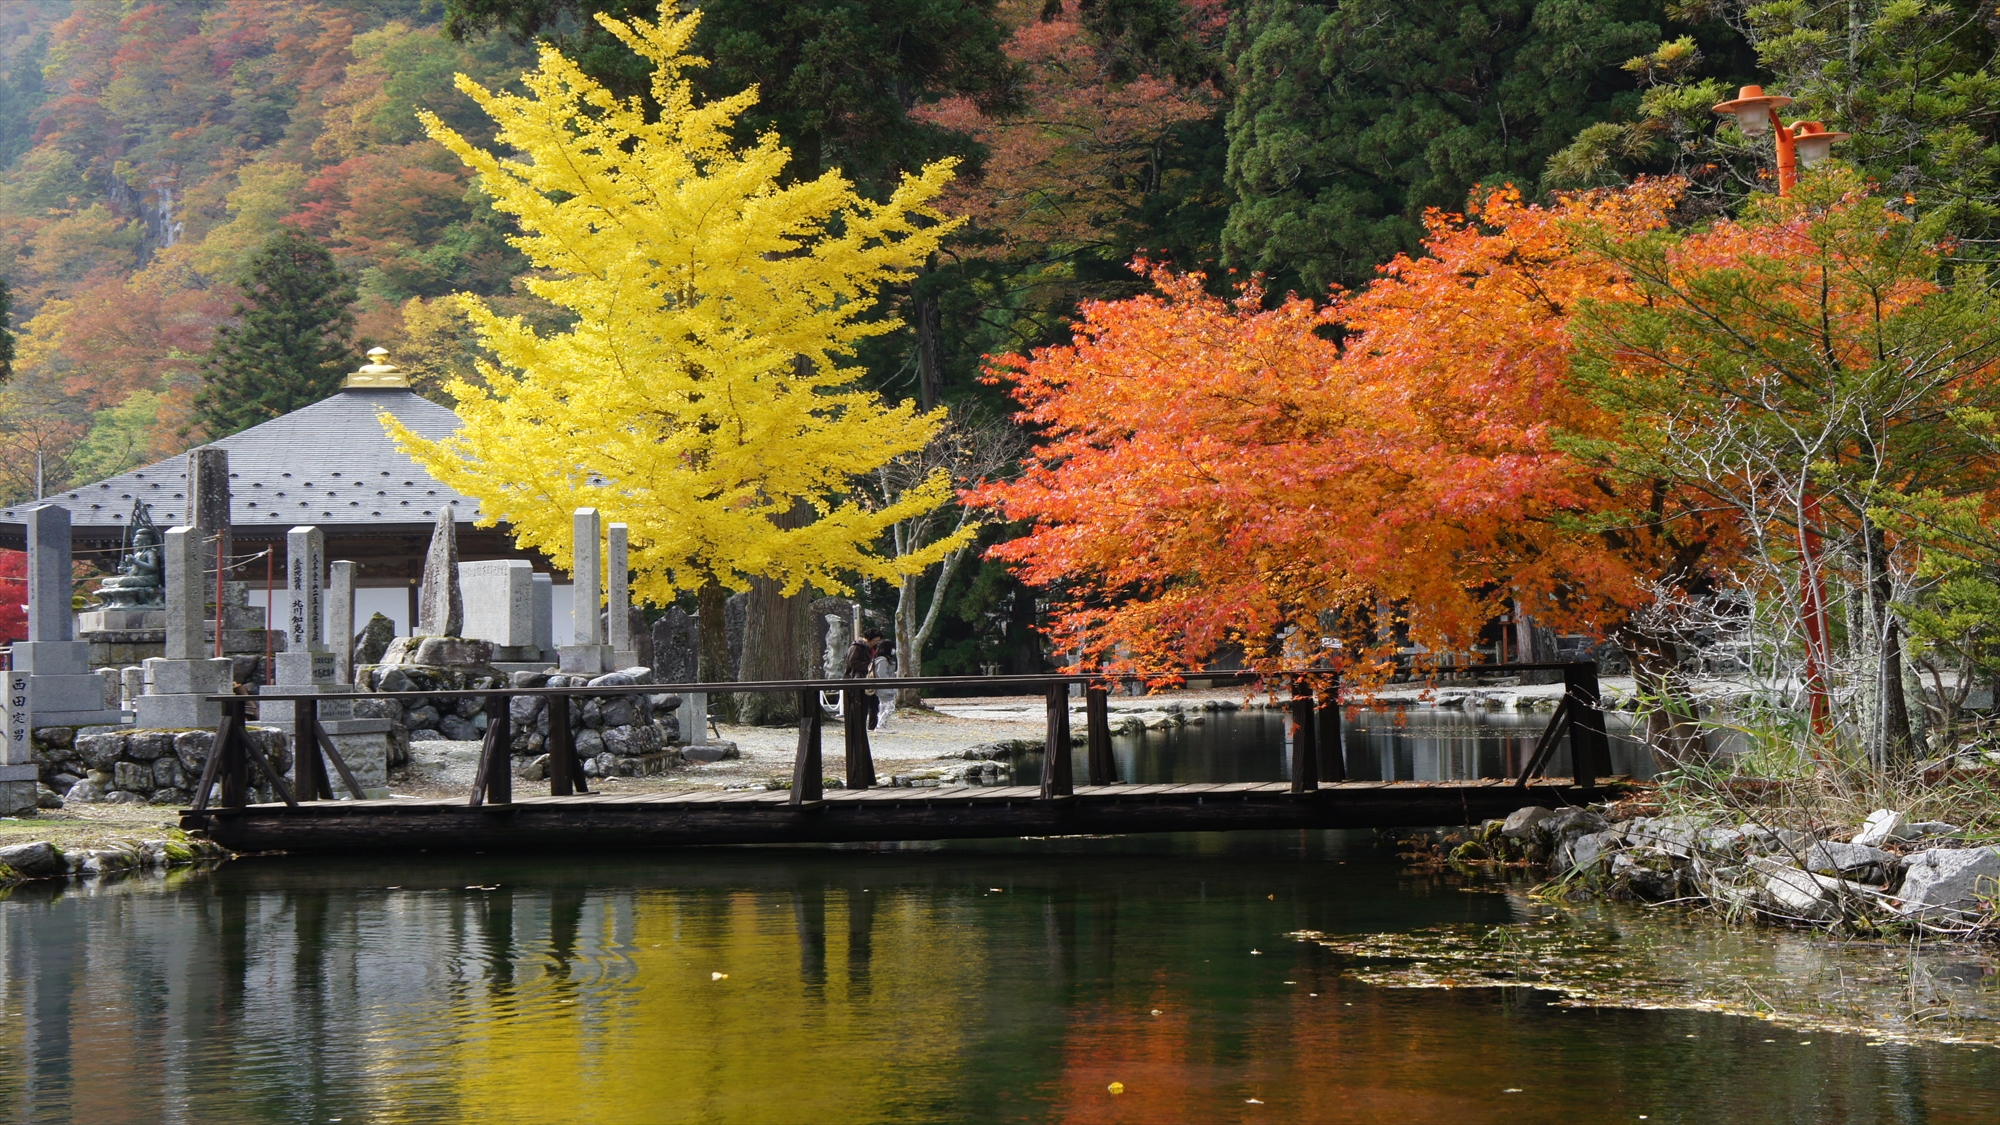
20	747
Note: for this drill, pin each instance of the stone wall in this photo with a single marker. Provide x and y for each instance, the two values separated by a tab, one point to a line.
157	767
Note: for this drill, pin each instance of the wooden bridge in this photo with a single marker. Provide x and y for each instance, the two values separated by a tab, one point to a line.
308	819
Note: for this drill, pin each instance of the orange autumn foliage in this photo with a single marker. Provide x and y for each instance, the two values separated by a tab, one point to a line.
1212	473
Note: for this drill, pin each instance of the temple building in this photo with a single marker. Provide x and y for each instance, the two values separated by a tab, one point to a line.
330	465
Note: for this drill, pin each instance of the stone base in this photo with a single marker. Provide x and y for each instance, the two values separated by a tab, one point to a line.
443	652
298	670
711	752
188	677
585	660
364	746
530	666
52	658
521	654
50	695
109	620
177	712
82	718
19	798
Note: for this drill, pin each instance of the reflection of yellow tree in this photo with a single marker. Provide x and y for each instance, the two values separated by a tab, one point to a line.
835	1008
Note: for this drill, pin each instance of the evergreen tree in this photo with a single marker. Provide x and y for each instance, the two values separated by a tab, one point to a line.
291	344
6	332
1350	119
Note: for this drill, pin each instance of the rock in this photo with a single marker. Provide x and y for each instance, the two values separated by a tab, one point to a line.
56	736
146	746
457	729
38	860
424	717
128	775
1517	826
1567	824
47	798
1925	829
1948	882
427	736
623	741
537	770
1672	835
616	679
619	712
373	640
1647	873
1793	893
85	792
192	747
529	679
589	744
522	709
1858	861
592	712
453	651
393	680
1881	827
665	701
99	751
1583	852
124	797
711	752
62	781
390	709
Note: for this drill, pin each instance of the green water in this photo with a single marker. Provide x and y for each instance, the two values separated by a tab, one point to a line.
1006	981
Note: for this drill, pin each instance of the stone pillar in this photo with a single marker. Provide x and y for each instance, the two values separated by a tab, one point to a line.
340	626
306	660
177	682
209	510
442	612
586	654
618	596
545	616
57	687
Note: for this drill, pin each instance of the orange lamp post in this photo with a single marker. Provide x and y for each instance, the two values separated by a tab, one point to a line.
1808	143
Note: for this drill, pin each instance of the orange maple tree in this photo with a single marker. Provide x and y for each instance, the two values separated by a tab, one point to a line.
1387	467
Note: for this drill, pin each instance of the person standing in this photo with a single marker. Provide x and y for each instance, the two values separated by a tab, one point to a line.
861	665
884	669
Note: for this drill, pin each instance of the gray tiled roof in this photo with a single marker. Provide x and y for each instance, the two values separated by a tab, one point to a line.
329	464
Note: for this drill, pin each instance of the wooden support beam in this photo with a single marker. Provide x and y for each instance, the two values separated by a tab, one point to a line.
854	725
332	753
1057	775
1332	747
308	768
1097	735
564	771
806	776
1545	745
1589	748
234	768
494	781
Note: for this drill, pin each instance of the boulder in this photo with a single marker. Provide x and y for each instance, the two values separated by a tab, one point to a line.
167	773
537	770
373	640
124	797
427	735
424	717
1647	873
1566	824
59	737
524	709
47	798
617	679
619	712
529	679
38	860
393	680
1949	882
1794	893
716	752
457	729
1517	826
1856	861
1583	852
192	747
1672	835
452	652
589	744
1930	829
85	792
132	776
1882	826
99	751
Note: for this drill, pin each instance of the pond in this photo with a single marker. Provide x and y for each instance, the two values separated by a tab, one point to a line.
1006	981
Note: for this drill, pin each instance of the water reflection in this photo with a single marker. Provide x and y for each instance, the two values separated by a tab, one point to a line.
1389	745
990	982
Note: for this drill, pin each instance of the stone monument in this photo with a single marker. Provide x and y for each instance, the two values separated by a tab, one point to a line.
309	664
618	596
499	602
51	683
441	612
209	505
545	616
587	654
177	682
340	619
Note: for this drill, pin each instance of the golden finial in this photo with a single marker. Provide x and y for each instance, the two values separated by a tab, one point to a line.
377	374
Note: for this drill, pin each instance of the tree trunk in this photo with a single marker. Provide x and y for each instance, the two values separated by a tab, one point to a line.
912	632
1673	722
712	644
930	352
1898	746
776	636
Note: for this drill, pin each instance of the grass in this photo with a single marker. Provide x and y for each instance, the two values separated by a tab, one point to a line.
90	825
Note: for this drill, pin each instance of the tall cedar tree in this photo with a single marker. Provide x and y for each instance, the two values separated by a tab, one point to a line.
291	345
6	332
1351	119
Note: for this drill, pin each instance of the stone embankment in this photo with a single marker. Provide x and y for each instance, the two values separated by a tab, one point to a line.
1888	874
43	859
117	765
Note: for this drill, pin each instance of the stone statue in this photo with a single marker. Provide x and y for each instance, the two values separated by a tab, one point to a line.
141	580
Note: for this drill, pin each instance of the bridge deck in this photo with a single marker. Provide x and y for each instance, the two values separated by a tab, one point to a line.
711	816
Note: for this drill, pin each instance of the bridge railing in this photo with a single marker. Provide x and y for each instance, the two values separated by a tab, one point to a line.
1314	712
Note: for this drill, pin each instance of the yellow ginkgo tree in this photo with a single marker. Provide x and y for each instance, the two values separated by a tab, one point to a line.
704	394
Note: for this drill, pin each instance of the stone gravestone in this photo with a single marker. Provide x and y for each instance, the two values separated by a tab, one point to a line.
340	624
618	596
677	660
545	616
442	610
177	682
308	665
586	654
209	510
61	688
499	599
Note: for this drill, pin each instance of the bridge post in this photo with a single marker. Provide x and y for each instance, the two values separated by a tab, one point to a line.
231	753
563	771
1331	746
1057	780
1589	748
496	774
854	724
806	773
1097	735
1305	748
309	779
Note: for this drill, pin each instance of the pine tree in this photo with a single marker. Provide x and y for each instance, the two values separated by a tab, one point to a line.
292	342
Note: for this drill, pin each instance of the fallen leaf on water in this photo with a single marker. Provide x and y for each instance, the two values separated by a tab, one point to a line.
1116	1087
718	976
1156	1011
1256	953
1251	1101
